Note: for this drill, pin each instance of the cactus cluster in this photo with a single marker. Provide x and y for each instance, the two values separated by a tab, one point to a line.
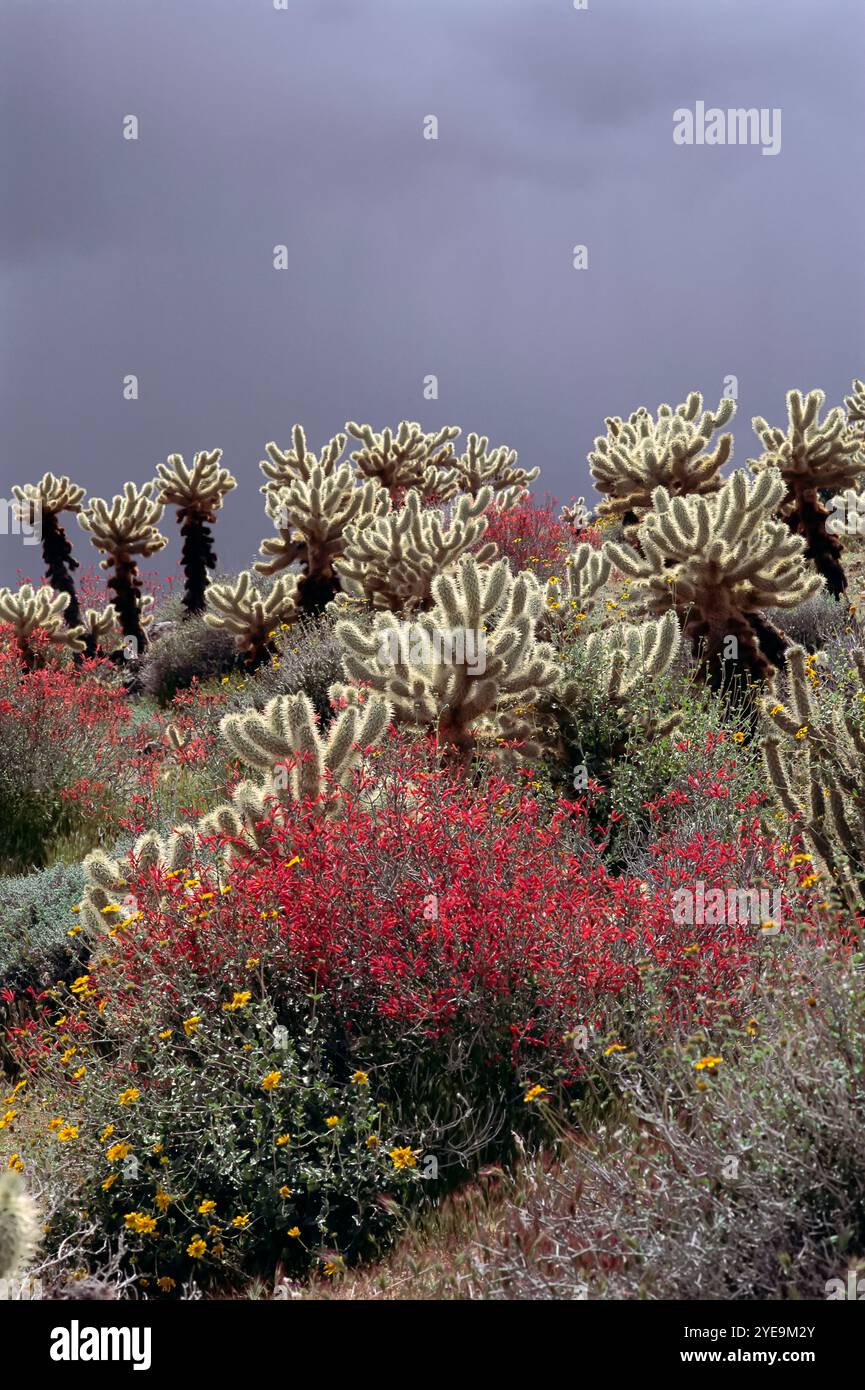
106	905
250	616
720	561
812	454
27	610
468	668
480	469
407	457
672	450
391	561
814	751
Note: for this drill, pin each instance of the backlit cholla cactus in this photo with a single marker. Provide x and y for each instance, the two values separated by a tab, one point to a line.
42	504
102	631
300	763
470	668
311	502
586	572
576	517
809	455
249	616
614	666
108	905
28	610
622	659
198	494
125	529
720	561
854	404
407	458
19	1226
478	469
672	451
392	561
814	750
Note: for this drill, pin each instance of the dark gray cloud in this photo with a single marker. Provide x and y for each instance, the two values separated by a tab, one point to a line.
410	257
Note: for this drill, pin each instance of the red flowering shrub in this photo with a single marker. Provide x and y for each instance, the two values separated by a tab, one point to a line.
60	730
532	537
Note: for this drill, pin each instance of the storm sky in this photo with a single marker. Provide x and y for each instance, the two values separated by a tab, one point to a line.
409	257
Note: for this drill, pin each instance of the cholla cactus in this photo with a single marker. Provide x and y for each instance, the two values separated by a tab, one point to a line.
623	658
251	617
300	763
719	561
672	451
586	572
125	529
198	494
19	1226
42	504
102	631
812	454
107	905
282	467
854	404
469	667
576	517
27	610
478	469
392	561
814	749
312	515
408	458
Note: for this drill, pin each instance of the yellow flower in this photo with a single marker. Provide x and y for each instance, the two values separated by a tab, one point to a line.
331	1121
79	986
294	1232
196	1248
285	1192
708	1063
77	1075
139	1222
614	1047
360	1078
66	1133
70	1052
239	1001
190	1024
118	1151
252	962
372	1141
166	1283
282	1140
162	1199
271	1081
738	737
207	1207
109	1182
801	733
7	1118
240	1221
166	1033
402	1158
106	1133
16	1164
534	1093
130	1096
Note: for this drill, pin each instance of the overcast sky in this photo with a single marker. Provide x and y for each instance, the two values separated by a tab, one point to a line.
410	257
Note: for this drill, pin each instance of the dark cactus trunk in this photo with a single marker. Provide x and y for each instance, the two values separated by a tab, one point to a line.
126	587
59	566
197	557
808	518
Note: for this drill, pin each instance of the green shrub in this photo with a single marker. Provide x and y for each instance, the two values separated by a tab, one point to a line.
188	651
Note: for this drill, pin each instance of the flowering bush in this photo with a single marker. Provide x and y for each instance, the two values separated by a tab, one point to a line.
531	536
